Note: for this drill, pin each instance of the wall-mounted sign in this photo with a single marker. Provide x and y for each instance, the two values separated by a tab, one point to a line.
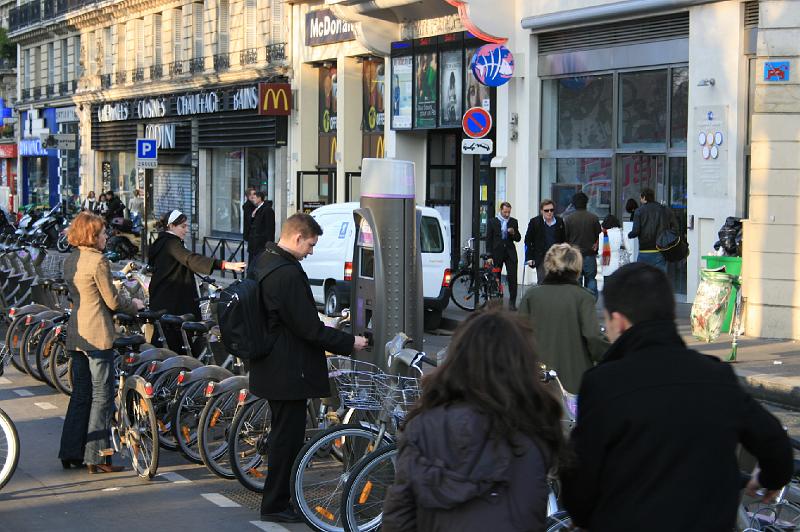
328	88
32	148
8	151
402	91
164	135
322	27
425	90
245	98
197	104
66	141
477	122
66	114
373	116
151	108
777	70
450	78
275	99
492	65
711	151
111	112
477	146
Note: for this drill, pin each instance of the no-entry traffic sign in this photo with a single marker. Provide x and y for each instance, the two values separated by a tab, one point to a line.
477	122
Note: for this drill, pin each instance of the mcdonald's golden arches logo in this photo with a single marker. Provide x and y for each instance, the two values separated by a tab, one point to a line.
274	99
379	150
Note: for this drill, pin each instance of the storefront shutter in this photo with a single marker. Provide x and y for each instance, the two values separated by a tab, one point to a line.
276	18
197	30
250	23
157	39
223	25
751	14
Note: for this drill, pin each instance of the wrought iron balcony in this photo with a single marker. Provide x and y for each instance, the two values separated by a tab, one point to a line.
105	81
26	94
121	77
156	71
50	89
175	68
276	52
63	87
249	56
137	74
198	64
221	62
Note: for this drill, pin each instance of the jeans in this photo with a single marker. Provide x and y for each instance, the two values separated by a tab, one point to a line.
588	277
653	259
76	422
101	367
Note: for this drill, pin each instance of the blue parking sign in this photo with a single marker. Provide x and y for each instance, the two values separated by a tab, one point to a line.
146	149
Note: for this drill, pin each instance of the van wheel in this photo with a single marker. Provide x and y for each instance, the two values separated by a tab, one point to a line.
432	319
332	306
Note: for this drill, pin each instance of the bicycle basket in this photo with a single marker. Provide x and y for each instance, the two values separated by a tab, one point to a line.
399	393
355	382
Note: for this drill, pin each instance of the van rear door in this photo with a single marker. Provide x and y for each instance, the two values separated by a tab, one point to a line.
435	256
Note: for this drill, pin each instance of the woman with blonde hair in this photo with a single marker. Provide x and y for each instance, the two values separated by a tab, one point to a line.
90	337
564	318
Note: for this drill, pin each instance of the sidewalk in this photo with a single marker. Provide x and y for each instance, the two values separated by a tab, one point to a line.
768	368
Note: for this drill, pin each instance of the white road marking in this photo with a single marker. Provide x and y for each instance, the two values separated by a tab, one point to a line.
110	489
220	500
22	392
5	380
46	406
269	527
174	477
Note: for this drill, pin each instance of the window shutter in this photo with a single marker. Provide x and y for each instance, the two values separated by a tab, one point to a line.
223	27
122	63
27	66
177	35
64	60
197	30
139	53
250	23
157	39
276	20
108	51
77	60
50	63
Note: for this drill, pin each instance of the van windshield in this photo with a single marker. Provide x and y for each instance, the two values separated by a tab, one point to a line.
432	240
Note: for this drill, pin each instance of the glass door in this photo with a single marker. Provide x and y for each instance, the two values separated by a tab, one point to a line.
443	183
315	189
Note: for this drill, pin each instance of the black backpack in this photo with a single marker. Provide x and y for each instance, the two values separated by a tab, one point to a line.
242	321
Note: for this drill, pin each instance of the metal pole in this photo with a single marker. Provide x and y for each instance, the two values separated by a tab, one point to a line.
476	225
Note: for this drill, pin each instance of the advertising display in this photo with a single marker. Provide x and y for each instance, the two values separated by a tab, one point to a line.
425	90
373	93
402	91
327	99
477	95
450	88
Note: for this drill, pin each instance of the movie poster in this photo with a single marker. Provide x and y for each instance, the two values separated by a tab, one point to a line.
402	89
425	90
373	77
327	100
477	95
451	69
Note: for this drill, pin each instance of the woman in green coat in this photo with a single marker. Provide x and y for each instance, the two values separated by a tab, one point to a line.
564	318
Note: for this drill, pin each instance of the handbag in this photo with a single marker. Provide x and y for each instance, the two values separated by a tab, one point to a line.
624	255
670	242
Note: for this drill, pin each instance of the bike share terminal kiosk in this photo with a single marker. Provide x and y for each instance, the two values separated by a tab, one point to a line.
387	265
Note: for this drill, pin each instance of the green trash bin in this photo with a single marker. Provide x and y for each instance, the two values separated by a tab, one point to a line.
733	266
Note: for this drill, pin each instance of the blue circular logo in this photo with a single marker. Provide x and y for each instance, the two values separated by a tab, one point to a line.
492	65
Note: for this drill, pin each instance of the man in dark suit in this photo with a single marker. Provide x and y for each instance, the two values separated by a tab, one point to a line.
262	226
247	211
501	234
543	231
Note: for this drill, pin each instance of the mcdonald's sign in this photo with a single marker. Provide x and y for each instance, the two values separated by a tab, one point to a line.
274	99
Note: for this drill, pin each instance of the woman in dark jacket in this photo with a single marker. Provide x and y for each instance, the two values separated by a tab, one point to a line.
475	453
173	286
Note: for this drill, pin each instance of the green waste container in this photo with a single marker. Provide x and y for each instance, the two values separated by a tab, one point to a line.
733	266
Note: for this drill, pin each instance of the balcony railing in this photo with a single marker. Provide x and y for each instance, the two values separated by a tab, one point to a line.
249	56
156	71
50	89
121	77
198	64
63	87
105	81
276	52
221	62
26	94
37	11
137	74
176	69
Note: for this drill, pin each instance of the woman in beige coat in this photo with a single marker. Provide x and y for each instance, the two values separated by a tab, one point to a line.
564	318
90	336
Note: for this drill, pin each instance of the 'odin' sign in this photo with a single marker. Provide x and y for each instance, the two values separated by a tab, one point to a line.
322	27
163	133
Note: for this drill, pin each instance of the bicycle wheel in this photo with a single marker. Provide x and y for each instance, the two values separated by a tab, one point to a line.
9	448
462	292
247	444
27	350
13	337
321	470
212	434
61	367
43	354
163	395
141	436
370	478
187	419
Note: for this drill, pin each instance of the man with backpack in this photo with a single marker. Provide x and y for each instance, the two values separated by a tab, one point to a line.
649	221
294	367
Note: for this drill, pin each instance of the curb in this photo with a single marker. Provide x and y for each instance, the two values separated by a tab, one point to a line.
782	391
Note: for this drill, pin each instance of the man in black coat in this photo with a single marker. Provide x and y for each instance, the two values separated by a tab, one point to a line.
247	211
501	234
583	232
543	231
261	227
659	424
649	221
295	369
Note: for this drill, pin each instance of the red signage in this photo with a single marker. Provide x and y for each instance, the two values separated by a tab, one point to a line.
8	151
274	99
477	122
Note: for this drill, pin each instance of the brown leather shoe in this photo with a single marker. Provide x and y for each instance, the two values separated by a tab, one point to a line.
103	468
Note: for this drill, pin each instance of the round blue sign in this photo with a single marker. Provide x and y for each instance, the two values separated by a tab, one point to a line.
492	65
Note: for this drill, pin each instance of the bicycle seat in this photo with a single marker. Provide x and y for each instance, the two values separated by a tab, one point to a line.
123	319
172	319
485	256
199	327
133	341
59	287
151	315
47	282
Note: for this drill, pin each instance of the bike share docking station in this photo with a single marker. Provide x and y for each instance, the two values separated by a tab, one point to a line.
387	264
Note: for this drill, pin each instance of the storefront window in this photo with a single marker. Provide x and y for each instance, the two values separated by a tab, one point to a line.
38	185
226	190
680	107
258	170
563	178
577	112
638	172
643	105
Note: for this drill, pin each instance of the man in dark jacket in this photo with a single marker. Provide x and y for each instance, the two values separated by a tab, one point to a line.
116	209
583	231
501	233
247	211
658	425
295	369
543	231
649	221
262	226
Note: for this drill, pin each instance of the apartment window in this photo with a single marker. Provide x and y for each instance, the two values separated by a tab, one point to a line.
37	67
122	55
76	57
64	60
26	64
108	50
139	53
177	35
276	21
51	67
223	26
197	30
250	23
157	39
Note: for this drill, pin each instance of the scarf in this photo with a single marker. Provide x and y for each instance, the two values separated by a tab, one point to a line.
503	225
606	259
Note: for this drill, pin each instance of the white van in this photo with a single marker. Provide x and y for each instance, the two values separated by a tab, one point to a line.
330	268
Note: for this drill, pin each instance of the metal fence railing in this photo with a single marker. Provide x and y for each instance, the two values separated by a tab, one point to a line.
227	249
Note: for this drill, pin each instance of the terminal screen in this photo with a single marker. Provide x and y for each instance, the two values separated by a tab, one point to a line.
367	263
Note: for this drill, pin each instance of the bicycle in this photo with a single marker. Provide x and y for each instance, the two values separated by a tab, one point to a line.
9	448
469	292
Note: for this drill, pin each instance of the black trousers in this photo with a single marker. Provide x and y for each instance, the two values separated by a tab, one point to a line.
286	438
511	276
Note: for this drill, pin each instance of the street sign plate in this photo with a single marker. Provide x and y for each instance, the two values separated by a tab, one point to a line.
146	153
477	146
477	122
66	144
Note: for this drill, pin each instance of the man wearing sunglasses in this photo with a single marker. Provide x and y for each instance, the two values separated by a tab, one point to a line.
543	231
